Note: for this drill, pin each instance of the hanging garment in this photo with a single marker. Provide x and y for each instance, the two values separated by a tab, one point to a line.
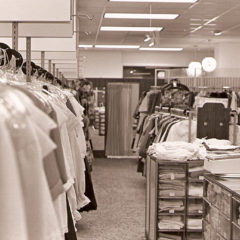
41	221
89	190
11	187
71	234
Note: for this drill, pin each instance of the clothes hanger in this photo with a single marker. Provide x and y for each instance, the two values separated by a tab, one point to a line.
175	84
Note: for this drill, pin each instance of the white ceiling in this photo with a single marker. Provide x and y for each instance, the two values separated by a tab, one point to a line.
175	33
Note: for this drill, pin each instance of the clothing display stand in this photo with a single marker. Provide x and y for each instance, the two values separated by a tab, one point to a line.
221	219
205	127
178	174
152	181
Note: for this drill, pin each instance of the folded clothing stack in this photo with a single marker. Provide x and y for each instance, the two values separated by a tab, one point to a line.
219	149
196	172
194	223
172	189
176	151
212	149
195	190
195	207
171	206
175	174
169	236
171	222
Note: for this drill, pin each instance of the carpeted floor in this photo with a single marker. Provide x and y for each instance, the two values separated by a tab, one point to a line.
120	193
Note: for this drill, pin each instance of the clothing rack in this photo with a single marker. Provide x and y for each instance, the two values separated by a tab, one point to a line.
179	113
155	87
192	114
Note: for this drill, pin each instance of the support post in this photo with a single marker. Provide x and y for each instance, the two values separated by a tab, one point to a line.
50	66
54	70
15	36
57	73
42	59
28	59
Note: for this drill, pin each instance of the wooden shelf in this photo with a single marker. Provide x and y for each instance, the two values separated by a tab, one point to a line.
171	214
186	198
197	197
195	214
171	230
167	198
194	230
195	181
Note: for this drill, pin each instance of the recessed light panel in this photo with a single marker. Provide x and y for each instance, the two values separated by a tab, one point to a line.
132	29
118	46
85	46
141	16
157	1
161	49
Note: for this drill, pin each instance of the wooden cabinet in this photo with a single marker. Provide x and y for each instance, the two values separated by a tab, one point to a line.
221	209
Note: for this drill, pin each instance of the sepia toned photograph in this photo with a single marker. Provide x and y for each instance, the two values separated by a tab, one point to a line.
120	120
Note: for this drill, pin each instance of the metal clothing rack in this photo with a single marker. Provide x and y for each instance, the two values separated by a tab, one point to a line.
179	113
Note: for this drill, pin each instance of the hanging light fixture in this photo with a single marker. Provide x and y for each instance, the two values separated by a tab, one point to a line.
209	64
194	67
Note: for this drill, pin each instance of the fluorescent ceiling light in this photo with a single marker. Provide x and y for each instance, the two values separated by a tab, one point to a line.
147	38
151	44
161	49
157	1
141	16
217	32
85	46
196	29
117	46
195	24
132	29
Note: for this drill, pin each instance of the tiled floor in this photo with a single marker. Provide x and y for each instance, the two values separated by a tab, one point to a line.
120	193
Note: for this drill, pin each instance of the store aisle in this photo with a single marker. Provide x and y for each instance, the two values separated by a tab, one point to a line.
120	193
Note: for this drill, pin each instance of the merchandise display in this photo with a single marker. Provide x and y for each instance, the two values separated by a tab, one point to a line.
42	127
163	136
179	199
99	120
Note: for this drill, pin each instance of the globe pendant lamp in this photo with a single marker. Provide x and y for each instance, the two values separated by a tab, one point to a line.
194	69
209	64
